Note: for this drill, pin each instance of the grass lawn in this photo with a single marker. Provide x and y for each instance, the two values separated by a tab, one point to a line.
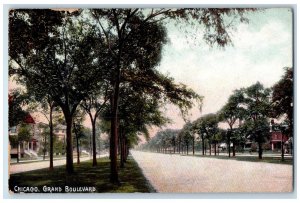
274	160
131	178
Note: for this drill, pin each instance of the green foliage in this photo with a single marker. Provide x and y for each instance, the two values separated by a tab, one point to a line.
24	133
257	130
13	140
282	99
256	98
17	99
46	139
58	147
233	110
165	138
206	126
65	56
30	29
187	133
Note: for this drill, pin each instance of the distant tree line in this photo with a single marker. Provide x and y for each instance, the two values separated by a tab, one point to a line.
249	115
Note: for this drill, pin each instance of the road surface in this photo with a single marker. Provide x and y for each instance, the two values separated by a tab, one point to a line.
186	174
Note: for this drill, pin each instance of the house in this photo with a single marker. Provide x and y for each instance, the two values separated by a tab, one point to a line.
276	139
60	132
29	148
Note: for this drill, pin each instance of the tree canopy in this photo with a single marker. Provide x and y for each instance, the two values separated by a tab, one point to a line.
282	98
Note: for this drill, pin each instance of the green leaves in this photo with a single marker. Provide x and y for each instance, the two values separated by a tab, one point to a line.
24	133
16	102
282	98
206	125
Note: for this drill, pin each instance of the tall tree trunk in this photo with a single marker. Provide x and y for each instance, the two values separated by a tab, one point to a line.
282	148
228	142
174	148
122	150
233	148
18	152
260	150
215	148
93	120
77	147
90	143
193	146
69	148
51	137
44	148
187	148
125	150
44	154
202	137
114	178
209	148
291	148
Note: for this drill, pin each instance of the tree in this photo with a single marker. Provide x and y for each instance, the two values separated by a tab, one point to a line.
216	139
44	129
257	106
43	103
24	134
187	136
163	139
16	102
207	127
282	101
139	109
67	53
230	113
78	129
123	29
93	105
135	44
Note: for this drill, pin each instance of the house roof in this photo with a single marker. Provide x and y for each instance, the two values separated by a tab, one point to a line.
29	119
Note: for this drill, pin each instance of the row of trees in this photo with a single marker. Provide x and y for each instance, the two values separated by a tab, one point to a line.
106	60
247	114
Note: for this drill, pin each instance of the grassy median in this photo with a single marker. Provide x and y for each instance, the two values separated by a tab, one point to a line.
131	178
273	160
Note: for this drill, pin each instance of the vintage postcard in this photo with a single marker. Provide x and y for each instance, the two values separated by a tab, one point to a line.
151	100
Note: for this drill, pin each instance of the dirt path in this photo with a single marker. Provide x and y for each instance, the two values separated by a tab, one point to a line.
185	174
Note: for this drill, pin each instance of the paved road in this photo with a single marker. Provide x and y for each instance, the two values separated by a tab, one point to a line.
187	174
22	167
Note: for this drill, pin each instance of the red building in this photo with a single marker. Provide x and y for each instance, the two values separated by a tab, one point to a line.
276	139
30	148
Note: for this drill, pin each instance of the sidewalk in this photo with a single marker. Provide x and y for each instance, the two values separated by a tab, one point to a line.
39	164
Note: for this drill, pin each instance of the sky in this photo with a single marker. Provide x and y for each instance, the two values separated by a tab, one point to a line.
260	51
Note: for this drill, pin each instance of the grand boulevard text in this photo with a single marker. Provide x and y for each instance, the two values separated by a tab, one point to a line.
53	189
